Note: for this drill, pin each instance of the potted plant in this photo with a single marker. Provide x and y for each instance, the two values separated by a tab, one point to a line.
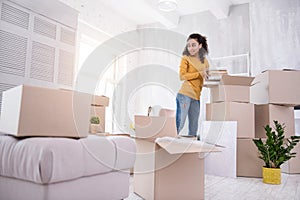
275	151
95	124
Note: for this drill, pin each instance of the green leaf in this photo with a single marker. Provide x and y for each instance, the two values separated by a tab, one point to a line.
276	150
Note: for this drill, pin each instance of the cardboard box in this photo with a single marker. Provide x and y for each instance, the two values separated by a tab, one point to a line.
232	88
172	169
243	113
152	127
216	75
292	166
35	111
223	134
100	112
276	87
100	101
214	78
248	162
266	114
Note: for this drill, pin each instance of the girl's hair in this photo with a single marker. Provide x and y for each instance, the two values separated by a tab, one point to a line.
201	40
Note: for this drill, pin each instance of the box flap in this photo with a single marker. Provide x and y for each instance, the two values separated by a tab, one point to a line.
184	145
150	127
236	80
259	78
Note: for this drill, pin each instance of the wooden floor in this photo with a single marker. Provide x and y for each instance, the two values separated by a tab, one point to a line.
221	188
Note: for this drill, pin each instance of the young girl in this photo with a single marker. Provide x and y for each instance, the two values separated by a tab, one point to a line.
193	71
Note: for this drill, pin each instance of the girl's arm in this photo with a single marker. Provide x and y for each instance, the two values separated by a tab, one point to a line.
206	72
183	74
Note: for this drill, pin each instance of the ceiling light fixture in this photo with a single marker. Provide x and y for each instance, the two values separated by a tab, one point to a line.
167	5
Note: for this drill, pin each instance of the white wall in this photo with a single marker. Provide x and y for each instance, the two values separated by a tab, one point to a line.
226	37
268	29
275	34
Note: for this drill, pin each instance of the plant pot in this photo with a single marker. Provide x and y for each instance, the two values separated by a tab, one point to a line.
271	175
94	128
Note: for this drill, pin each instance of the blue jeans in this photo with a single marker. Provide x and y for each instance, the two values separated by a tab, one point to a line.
190	107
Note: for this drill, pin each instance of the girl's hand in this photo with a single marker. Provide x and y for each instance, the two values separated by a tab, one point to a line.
205	75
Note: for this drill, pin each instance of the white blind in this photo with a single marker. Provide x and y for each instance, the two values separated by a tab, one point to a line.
44	27
14	16
42	62
36	49
13	49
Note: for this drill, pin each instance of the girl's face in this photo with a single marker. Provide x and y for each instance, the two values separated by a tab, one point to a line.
193	47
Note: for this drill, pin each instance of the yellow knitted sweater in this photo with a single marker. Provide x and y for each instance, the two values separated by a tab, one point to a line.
192	72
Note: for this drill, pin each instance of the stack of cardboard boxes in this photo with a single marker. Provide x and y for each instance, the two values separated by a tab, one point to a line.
98	106
275	93
231	102
254	103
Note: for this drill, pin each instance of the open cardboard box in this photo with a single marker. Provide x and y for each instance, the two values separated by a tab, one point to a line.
170	168
232	89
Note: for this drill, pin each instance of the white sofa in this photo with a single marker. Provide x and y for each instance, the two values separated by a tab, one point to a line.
48	168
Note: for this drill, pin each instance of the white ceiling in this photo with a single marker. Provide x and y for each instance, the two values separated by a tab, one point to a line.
145	11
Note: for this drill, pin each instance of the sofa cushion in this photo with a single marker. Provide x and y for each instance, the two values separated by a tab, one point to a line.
48	160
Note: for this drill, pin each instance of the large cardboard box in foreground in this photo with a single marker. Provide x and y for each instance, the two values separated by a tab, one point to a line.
232	88
243	113
35	111
276	87
266	114
248	162
170	168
